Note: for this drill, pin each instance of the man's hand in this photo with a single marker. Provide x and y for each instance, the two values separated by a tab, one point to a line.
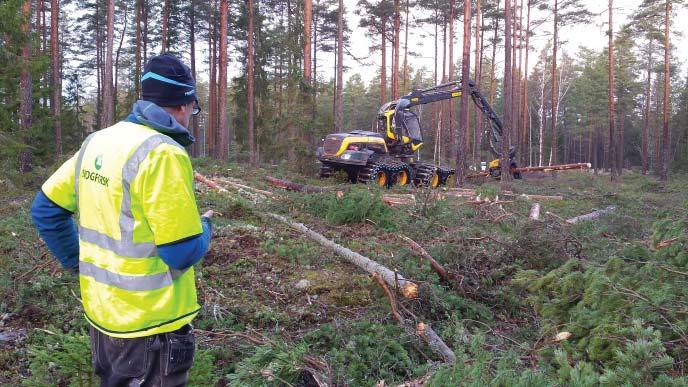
208	214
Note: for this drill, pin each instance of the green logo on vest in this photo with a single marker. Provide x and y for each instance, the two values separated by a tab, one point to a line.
99	162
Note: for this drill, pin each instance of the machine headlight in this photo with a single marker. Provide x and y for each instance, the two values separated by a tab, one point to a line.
346	156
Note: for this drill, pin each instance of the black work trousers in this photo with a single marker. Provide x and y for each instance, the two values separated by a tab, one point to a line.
161	360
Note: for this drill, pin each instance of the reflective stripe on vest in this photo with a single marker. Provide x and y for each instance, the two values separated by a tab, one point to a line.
126	247
129	282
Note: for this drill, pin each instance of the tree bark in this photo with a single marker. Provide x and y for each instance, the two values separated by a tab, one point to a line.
222	83
108	101
251	140
507	101
665	124
610	75
56	78
592	215
339	109
25	108
465	75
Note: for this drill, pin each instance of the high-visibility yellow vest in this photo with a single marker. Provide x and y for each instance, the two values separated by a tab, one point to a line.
133	189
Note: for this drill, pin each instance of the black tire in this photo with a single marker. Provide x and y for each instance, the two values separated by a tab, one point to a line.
326	170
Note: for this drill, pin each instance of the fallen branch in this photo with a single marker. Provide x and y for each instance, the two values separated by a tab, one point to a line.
422	330
501	217
421	251
291	186
408	288
390	297
592	215
542	197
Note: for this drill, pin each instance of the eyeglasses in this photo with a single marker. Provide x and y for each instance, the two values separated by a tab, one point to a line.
196	108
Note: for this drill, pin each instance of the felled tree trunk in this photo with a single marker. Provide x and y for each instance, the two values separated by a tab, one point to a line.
408	288
296	186
592	215
422	330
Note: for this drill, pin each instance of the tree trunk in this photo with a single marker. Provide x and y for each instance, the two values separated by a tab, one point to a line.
395	67
478	81
137	49
494	56
610	73
222	84
524	97
25	156
56	79
383	67
196	147
541	111
665	132
108	111
465	75
507	101
515	79
165	24
144	17
210	125
307	22
119	50
339	109
250	48
406	27
455	138
555	91
646	120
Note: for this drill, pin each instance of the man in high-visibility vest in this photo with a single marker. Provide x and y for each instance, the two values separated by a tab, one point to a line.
139	232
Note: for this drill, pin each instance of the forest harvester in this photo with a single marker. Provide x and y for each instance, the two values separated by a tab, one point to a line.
389	156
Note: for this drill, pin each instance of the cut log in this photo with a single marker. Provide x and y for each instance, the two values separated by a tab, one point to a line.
535	212
421	251
422	330
547	168
408	288
592	215
202	179
291	186
401	199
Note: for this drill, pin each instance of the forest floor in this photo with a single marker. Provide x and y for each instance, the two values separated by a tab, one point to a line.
279	308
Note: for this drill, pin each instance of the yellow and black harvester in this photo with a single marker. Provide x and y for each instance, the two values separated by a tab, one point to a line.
389	156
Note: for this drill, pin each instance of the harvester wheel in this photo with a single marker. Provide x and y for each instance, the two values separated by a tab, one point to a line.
326	170
403	177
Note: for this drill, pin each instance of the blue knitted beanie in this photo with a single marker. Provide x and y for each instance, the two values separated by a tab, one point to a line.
167	81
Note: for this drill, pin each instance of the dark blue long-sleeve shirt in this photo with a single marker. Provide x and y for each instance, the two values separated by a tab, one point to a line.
56	228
